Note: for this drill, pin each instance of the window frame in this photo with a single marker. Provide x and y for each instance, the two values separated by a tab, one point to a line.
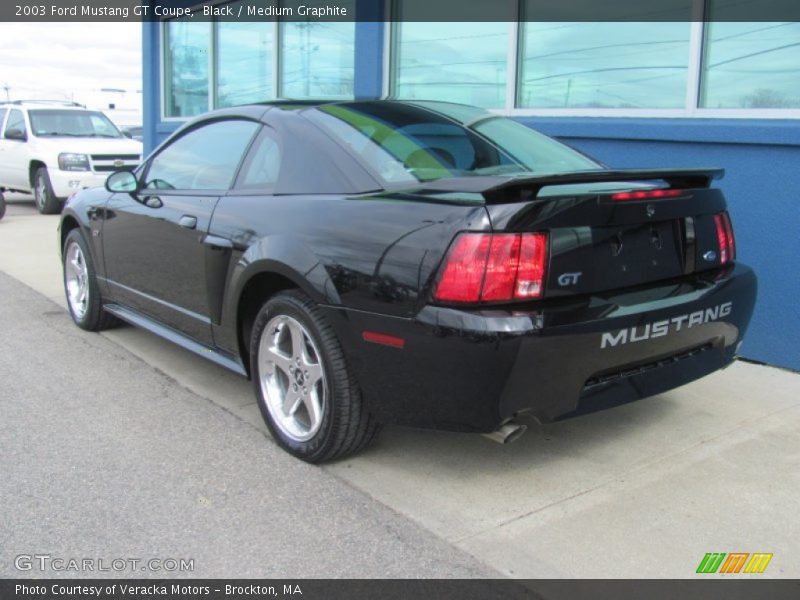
212	65
691	108
144	170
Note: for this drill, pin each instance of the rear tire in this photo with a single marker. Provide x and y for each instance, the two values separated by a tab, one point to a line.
2	205
308	397
46	201
80	285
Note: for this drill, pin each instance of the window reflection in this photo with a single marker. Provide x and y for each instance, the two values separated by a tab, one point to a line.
458	62
186	66
604	65
751	65
244	62
317	58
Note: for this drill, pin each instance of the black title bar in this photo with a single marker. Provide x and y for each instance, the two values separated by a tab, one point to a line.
402	10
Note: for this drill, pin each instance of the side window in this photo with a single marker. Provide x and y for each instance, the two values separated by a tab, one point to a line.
262	167
16	120
3	112
203	159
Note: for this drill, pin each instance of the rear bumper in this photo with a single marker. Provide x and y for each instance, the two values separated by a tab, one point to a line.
471	370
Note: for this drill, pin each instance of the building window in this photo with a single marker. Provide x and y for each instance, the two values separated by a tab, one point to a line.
244	63
751	65
456	62
317	58
186	46
603	65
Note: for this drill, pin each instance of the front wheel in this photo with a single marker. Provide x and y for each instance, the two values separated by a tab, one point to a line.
46	201
80	285
2	205
310	401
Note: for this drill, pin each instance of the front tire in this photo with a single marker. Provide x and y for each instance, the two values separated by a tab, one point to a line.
80	285
310	401
2	205
46	201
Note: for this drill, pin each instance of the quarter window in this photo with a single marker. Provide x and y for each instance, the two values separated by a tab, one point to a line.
203	159
16	120
263	165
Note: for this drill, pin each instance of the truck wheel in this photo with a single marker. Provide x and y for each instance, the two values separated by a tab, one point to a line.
46	200
2	205
309	399
80	285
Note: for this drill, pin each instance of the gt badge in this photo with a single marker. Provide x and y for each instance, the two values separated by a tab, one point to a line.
569	278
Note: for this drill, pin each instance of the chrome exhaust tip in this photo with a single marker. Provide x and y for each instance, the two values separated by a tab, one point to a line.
508	432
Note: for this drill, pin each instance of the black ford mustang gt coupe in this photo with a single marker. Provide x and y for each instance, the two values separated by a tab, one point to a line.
421	263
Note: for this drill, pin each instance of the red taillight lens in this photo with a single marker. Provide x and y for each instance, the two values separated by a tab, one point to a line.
725	239
646	195
499	267
462	278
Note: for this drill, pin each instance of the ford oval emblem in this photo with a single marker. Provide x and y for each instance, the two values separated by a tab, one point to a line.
710	256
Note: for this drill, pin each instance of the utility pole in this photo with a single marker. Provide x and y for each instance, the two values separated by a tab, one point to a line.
7	88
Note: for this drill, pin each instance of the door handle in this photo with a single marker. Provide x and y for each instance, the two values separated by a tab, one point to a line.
188	221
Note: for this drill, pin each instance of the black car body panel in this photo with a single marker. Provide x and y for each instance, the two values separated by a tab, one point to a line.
369	253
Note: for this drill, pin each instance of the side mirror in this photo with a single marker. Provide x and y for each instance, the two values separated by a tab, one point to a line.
16	134
122	181
127	134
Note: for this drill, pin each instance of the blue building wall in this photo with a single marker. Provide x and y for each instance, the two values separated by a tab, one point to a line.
762	182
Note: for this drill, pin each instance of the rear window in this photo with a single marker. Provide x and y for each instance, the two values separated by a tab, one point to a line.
405	143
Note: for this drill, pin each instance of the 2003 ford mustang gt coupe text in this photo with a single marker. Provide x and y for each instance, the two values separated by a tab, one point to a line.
421	263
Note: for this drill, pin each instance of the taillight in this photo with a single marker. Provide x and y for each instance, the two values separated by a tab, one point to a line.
647	194
493	267
725	239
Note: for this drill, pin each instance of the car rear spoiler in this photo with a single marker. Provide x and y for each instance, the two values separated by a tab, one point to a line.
495	189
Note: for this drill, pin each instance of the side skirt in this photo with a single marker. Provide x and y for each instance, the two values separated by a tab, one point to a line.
140	320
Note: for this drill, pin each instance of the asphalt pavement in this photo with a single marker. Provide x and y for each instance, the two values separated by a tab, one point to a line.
104	456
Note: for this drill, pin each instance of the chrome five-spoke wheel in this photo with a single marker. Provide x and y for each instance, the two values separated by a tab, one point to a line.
76	278
292	378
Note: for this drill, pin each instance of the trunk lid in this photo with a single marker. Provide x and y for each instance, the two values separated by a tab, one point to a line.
602	238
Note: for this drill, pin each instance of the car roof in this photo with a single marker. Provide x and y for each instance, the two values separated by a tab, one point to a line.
59	104
275	108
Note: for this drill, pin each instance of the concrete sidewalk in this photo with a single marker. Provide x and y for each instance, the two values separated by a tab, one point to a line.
644	490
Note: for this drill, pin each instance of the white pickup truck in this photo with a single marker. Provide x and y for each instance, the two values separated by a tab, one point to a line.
53	149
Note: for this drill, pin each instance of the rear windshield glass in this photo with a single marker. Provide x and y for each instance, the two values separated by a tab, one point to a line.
404	143
72	123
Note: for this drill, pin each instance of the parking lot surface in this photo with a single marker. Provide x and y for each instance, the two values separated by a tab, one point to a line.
643	490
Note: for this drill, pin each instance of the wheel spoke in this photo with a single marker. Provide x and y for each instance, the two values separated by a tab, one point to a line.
291	402
314	374
280	360
298	341
312	406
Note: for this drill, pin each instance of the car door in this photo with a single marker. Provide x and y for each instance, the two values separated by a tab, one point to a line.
14	152
155	241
